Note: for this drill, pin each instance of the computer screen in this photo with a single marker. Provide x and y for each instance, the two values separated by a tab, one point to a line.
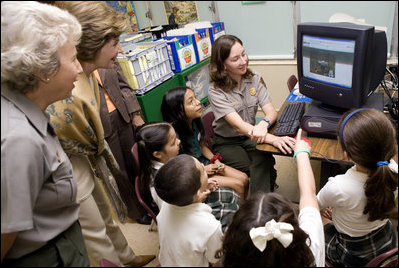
328	60
340	64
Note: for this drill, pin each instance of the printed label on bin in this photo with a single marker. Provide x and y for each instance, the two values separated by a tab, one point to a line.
204	48
186	57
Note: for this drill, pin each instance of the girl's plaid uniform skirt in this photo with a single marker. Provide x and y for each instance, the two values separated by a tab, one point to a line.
344	250
224	203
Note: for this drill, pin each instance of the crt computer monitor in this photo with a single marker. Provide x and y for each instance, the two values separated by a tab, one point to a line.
340	64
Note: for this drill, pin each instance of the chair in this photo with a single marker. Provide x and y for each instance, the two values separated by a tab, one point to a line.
107	263
208	119
135	154
387	259
291	82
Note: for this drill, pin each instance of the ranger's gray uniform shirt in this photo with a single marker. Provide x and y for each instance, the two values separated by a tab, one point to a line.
245	102
38	190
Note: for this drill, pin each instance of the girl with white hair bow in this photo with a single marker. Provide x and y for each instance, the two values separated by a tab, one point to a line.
268	231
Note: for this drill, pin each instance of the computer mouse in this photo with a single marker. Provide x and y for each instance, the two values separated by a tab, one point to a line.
296	92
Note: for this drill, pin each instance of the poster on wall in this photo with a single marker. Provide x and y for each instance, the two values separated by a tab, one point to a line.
126	7
184	11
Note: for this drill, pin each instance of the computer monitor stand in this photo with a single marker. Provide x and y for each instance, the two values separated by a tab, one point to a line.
318	121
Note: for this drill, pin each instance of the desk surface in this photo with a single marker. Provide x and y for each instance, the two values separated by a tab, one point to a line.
322	148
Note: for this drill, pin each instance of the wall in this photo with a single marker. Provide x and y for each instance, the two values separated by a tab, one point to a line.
267	29
275	73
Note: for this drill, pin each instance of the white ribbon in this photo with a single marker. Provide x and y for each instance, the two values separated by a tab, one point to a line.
271	230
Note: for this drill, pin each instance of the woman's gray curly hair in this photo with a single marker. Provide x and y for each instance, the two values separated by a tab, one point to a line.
31	34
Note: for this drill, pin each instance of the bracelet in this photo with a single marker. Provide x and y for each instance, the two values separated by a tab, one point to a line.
267	121
215	157
300	151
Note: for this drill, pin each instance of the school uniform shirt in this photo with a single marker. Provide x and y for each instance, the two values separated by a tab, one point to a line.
244	101
345	193
188	236
38	190
309	220
155	166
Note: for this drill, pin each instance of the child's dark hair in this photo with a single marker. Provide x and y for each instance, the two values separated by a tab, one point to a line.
238	248
173	112
151	137
178	180
368	137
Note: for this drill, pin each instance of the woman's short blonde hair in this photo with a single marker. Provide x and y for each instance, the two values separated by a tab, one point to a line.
100	23
31	34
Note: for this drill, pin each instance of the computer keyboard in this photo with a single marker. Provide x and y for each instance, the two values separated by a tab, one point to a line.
290	119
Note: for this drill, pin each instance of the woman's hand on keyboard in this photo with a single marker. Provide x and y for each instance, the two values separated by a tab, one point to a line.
285	144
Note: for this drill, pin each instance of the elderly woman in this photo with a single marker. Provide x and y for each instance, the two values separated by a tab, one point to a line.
77	123
39	210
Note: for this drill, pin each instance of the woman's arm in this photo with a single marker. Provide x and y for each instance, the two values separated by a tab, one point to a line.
235	120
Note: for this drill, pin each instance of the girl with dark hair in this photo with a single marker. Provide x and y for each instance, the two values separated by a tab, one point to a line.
157	143
183	110
235	95
363	197
267	230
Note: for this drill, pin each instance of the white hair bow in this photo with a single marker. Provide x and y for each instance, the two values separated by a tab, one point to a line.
271	230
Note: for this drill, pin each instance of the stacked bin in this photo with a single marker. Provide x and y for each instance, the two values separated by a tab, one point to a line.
181	51
217	30
203	43
135	38
145	65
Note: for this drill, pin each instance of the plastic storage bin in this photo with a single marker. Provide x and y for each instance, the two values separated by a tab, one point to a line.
217	30
181	52
203	43
145	65
135	37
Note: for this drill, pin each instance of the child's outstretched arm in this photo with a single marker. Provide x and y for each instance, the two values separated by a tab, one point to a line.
307	186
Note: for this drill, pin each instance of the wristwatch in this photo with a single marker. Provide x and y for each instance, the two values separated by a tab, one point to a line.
267	121
136	113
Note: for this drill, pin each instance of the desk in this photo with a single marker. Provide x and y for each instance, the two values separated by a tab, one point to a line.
329	151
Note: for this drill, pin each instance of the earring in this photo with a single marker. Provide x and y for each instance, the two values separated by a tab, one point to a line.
47	79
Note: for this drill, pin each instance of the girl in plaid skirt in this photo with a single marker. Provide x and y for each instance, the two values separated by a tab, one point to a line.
359	202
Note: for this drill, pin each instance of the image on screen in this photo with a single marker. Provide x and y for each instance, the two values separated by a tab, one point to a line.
328	60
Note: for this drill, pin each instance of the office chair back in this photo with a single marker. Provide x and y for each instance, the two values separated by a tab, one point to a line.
208	119
135	155
291	82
